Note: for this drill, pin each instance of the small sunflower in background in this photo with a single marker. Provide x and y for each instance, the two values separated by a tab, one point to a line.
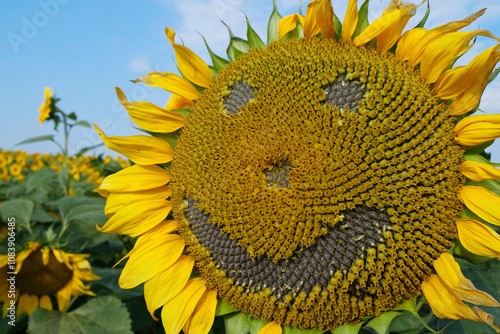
45	108
313	182
42	273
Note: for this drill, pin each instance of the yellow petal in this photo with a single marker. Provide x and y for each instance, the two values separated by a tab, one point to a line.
478	238
204	314
271	328
177	311
350	20
382	23
190	65
478	129
46	303
444	303
170	82
63	298
137	218
478	171
118	200
319	18
482	202
149	259
27	303
151	117
143	150
449	271
412	44
387	38
166	285
440	53
178	102
288	23
136	178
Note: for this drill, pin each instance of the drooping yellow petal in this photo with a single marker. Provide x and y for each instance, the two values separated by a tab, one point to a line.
478	129
136	178
482	202
387	38
319	18
204	314
350	20
166	285
190	64
27	303
149	259
444	303
178	102
45	303
478	171
478	238
440	53
118	200
288	23
63	298
143	150
177	311
449	271
170	82
413	43
382	24
271	328
151	117
137	218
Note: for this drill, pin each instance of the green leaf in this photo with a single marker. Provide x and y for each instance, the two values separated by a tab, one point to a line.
238	323
295	330
254	40
224	308
72	116
88	148
424	19
381	324
218	62
348	329
108	284
69	203
82	123
41	177
362	19
411	306
18	208
36	139
106	315
273	25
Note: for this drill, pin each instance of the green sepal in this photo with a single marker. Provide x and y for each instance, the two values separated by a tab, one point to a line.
218	62
411	306
480	158
237	46
338	27
493	75
213	71
461	252
254	40
348	329
479	148
296	33
224	308
424	19
295	330
170	138
490	184
362	19
237	323
381	324
273	25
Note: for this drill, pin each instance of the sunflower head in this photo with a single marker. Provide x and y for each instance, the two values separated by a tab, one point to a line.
317	180
46	107
42	273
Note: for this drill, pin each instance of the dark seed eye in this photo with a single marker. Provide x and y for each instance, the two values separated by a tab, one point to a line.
344	94
241	94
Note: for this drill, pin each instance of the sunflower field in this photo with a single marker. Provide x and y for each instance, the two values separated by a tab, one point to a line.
331	177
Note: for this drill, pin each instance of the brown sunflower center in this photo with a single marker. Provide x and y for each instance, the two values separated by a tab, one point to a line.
36	278
315	182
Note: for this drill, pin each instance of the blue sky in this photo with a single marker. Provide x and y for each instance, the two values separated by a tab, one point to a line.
83	49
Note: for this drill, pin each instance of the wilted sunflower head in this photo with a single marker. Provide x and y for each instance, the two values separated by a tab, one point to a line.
317	180
40	273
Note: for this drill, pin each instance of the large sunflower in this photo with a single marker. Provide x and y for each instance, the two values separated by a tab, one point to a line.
315	181
39	273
